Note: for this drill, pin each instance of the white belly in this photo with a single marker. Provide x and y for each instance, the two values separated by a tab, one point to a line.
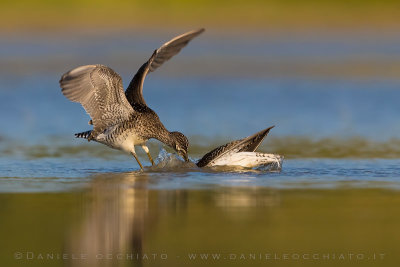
126	141
127	144
247	160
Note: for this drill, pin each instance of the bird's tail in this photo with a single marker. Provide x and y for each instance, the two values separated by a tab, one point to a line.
83	134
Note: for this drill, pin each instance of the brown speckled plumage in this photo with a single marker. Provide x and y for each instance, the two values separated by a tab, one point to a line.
120	118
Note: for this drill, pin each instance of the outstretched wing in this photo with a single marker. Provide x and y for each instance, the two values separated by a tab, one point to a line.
99	90
248	144
251	143
134	92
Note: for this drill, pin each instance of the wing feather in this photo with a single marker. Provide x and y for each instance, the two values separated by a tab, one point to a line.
134	92
99	90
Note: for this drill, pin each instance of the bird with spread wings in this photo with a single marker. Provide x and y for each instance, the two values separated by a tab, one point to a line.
121	119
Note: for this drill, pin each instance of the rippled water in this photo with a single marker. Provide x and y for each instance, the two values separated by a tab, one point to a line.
337	127
66	174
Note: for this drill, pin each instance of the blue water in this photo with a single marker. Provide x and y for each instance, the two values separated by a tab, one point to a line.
58	175
333	99
33	107
216	89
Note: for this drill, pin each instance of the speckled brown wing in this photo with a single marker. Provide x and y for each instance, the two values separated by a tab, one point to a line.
99	90
134	92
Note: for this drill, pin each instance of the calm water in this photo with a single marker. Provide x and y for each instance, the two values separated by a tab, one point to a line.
334	101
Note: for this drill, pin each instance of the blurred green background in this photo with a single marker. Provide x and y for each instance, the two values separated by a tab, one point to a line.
47	15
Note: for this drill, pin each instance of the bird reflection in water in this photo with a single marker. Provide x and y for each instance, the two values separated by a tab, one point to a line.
116	215
123	219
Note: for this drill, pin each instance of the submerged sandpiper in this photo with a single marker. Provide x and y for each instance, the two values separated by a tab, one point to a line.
123	120
241	153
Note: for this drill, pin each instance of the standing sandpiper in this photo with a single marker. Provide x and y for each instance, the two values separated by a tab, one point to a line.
123	120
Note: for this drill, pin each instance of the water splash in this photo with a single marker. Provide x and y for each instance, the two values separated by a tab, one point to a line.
272	166
166	161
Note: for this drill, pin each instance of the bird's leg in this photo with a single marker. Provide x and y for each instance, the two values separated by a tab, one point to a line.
137	159
146	149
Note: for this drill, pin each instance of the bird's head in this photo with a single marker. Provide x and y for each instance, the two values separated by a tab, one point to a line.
180	144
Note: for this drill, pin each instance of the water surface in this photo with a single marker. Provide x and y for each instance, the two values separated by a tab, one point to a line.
333	99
